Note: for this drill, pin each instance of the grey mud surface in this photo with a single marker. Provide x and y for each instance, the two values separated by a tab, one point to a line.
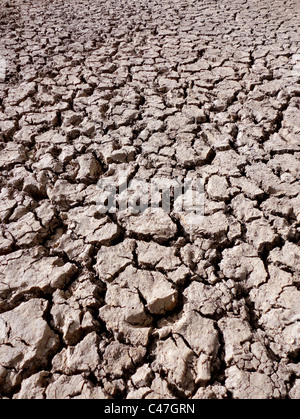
147	306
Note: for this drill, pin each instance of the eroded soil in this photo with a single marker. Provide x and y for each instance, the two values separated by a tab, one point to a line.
146	305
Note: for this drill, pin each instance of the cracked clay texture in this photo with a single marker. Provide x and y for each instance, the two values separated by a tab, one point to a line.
149	305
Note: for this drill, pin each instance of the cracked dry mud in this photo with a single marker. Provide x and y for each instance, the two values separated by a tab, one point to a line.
99	305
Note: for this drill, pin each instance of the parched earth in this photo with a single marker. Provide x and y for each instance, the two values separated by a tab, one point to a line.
146	304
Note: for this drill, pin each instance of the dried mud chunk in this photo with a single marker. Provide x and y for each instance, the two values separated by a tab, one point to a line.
7	205
159	294
83	357
244	209
180	123
43	118
89	391
248	385
185	155
115	319
34	387
45	212
235	229
159	389
214	226
193	111
288	256
267	294
295	390
199	332
214	391
47	162
193	256
265	179
175	359
140	393
129	302
124	314
249	188
70	314
75	248
26	342
291	118
157	225
89	168
6	243
71	118
208	300
278	206
50	137
12	154
112	260
28	272
179	275
191	156
235	331
87	223
142	377
196	67
34	185
128	116
295	202
155	143
242	263
217	188
286	164
20	93
283	142
228	163
277	303
195	337
119	359
153	255
260	234
71	387
125	154
27	231
262	111
7	130
65	194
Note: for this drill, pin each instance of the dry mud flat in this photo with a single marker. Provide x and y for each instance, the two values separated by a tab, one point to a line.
147	305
